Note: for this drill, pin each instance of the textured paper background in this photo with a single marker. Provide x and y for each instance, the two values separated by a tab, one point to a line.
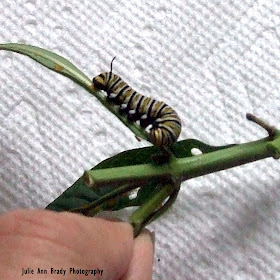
211	60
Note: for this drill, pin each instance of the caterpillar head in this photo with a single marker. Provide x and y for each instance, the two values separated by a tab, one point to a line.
100	81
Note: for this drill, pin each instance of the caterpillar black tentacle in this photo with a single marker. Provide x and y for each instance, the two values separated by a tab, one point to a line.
165	123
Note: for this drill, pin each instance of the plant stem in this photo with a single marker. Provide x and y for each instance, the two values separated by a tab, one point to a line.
146	219
144	214
271	130
189	167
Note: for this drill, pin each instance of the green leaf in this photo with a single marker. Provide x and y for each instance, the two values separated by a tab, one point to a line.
52	61
79	194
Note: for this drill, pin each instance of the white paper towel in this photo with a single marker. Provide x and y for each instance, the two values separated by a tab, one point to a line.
212	61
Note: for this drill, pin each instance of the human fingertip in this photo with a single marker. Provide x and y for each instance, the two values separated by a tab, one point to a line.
141	265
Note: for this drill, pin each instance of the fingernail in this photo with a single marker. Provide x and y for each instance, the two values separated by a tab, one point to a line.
112	219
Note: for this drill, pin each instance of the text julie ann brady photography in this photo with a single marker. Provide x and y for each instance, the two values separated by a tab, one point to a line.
61	271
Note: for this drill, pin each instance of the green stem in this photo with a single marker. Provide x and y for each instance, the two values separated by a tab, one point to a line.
138	226
144	213
189	167
164	208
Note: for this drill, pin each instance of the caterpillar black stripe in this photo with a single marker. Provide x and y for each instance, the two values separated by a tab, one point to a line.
165	123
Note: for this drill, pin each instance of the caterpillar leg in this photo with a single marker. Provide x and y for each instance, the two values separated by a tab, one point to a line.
164	156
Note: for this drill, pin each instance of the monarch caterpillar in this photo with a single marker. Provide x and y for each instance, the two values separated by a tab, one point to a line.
164	121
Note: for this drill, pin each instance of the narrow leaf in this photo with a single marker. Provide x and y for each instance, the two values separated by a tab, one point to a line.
51	60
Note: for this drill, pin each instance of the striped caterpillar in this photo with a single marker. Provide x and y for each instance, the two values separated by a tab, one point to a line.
164	121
